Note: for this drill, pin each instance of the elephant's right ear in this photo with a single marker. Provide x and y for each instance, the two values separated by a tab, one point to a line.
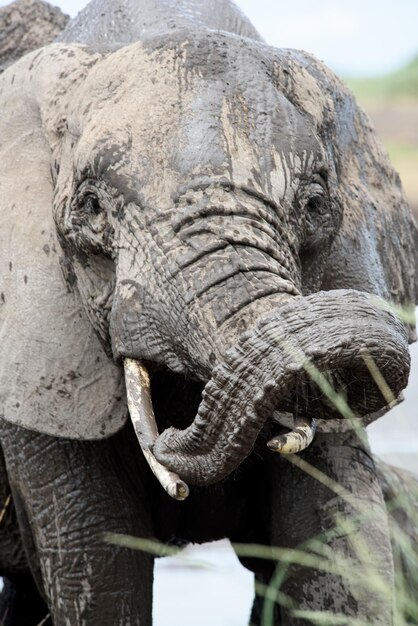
376	247
54	376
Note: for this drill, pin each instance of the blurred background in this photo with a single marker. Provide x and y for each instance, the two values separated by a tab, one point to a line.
373	45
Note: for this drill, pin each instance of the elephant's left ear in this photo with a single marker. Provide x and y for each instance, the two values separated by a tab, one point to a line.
376	247
54	376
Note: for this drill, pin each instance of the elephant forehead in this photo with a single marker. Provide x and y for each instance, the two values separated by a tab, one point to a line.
152	115
126	112
249	133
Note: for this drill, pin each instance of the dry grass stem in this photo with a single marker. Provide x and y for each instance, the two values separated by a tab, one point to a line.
5	507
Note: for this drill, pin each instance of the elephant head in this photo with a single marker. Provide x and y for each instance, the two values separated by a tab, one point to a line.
204	203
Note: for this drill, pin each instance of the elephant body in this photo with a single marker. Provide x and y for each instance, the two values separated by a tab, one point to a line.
220	212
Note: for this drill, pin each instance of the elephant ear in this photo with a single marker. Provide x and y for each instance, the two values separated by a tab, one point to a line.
54	375
375	249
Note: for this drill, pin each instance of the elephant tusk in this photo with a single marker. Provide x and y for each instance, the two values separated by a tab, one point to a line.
145	426
297	440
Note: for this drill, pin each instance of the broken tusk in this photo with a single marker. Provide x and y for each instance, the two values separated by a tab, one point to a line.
297	440
145	426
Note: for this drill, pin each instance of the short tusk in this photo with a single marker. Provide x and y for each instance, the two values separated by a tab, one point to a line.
143	420
297	440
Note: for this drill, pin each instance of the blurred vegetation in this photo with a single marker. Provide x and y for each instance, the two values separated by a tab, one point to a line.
402	84
391	102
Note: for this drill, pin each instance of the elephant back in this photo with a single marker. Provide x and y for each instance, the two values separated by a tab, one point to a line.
105	24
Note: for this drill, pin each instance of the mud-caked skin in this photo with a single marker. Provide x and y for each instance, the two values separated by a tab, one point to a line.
176	192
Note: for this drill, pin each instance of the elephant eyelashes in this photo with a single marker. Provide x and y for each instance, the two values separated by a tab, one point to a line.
317	197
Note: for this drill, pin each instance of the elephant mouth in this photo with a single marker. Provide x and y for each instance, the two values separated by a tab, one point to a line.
179	397
310	357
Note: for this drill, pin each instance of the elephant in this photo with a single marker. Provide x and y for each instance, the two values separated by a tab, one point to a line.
26	25
201	231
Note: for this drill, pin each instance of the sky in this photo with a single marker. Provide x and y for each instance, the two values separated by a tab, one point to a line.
353	37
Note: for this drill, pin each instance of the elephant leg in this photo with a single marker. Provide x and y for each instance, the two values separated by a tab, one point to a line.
262	570
12	554
256	490
20	601
400	491
71	493
350	529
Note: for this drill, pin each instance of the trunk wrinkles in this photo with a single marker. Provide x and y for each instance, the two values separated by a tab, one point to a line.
266	368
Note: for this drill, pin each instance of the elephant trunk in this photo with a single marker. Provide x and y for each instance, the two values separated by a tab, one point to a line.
224	304
273	365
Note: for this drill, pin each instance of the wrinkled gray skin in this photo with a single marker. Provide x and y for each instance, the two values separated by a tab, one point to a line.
216	208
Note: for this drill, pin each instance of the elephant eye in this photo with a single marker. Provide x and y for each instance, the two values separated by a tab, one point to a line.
91	205
317	214
88	226
90	209
318	199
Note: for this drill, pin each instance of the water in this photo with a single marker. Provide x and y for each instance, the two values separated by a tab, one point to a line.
394	437
205	585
